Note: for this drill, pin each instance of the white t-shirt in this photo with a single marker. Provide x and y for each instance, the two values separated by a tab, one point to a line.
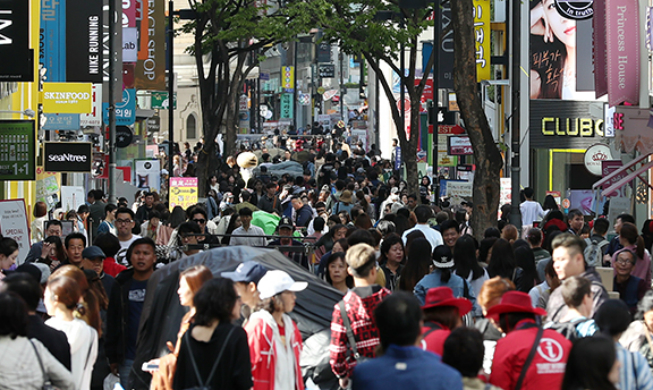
530	211
83	341
433	236
121	256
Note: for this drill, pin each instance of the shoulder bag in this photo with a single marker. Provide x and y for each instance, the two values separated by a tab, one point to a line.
205	385
529	360
47	385
350	333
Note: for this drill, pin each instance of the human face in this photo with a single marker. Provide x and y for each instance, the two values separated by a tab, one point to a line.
200	220
149	200
248	293
450	236
235	312
577	223
288	298
143	258
412	203
624	264
337	271
343	218
567	264
388	209
124	224
185	293
188	239
246	220
339	234
7	261
54	230
617	225
336	248
74	249
271	192
648	319
284	231
111	216
396	253
96	264
564	29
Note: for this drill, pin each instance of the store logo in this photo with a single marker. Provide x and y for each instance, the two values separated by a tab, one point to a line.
67	157
575	9
550	350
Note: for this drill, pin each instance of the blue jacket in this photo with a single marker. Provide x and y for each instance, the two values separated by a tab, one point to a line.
455	283
406	368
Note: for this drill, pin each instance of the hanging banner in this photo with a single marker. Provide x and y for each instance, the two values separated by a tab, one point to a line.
72	197
148	175
13	224
151	69
84	40
17	58
600	51
128	13
129	44
287	108
623	46
95	117
481	12
288	78
67	98
17	153
125	110
183	192
61	122
67	156
52	51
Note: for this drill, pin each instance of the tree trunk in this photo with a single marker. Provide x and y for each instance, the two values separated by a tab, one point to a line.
409	150
486	154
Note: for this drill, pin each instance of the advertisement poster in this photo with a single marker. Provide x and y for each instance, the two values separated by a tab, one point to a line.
72	197
13	224
47	187
151	65
148	175
52	53
84	50
17	154
183	192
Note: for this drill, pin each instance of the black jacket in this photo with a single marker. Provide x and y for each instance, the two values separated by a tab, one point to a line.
54	340
117	316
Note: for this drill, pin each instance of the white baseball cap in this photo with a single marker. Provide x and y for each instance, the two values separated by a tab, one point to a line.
276	282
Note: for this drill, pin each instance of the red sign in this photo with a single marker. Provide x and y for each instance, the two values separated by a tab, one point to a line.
406	104
459	146
447	129
427	94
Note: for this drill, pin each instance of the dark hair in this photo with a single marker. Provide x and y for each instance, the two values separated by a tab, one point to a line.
125	210
525	259
484	247
528	192
574	244
508	321
245	212
448	316
359	236
215	300
410	237
109	208
13	316
40	209
398	319
589	363
574	289
140	241
534	236
464	257
630	233
449	224
573	213
25	286
390	241
464	350
626	218
8	246
549	203
601	226
53	222
109	244
318	224
177	217
75	236
423	213
502	261
188	227
349	280
245	195
492	232
417	265
612	317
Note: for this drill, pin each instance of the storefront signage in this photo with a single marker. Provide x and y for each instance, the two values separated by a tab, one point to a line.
622	50
459	146
594	157
183	192
160	100
577	9
61	122
129	44
124	136
563	124
13	224
287	108
17	58
68	157
52	50
125	110
288	78
151	65
481	11
327	70
95	117
67	98
17	153
84	41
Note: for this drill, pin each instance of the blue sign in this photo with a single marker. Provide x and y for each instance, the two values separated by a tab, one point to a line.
61	122
53	39
125	110
264	76
397	158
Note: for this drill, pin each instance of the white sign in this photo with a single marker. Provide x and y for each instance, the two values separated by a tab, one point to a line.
95	117
505	193
13	223
608	120
594	155
129	44
460	189
148	175
618	205
72	197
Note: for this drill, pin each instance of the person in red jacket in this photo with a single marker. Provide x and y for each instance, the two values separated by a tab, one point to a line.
273	337
442	312
517	318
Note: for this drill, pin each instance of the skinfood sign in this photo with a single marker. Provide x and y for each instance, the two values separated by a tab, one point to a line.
563	124
67	98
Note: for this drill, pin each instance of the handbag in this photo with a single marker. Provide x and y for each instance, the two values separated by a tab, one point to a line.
205	385
47	385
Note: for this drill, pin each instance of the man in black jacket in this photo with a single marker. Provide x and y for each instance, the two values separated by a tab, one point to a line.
125	307
25	286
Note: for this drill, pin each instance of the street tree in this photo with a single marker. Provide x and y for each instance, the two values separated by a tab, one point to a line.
229	39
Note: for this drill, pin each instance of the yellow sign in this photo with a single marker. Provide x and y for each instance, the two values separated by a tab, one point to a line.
288	79
183	192
482	35
67	98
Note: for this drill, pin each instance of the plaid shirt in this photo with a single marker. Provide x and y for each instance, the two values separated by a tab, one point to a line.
360	304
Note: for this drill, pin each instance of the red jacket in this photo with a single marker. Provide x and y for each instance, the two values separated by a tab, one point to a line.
262	350
112	268
547	368
434	339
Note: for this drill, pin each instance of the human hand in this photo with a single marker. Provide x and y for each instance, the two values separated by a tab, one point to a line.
45	251
114	369
344	383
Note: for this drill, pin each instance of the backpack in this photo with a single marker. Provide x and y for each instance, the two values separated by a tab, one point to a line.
567	329
594	252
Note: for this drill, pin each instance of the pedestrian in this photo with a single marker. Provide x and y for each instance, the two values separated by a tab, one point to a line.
125	222
392	260
107	225
530	210
442	314
638	336
592	365
37	251
526	347
464	351
247	234
26	363
62	301
402	365
8	255
417	265
274	339
246	278
336	274
467	266
631	240
577	323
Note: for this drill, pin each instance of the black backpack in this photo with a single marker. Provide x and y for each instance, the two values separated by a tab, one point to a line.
567	329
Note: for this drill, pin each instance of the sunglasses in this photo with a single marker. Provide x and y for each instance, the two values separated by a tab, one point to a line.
200	221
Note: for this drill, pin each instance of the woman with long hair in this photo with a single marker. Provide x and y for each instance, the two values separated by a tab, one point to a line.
549	205
8	254
213	352
592	364
467	267
91	302
631	240
417	264
234	223
62	302
503	263
274	339
443	276
190	282
336	273
392	259
57	253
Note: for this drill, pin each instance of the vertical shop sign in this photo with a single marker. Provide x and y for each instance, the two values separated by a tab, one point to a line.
17	58
84	41
287	105
622	39
481	12
52	51
151	65
288	78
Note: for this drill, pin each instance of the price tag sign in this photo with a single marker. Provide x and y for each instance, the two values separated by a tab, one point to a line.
17	152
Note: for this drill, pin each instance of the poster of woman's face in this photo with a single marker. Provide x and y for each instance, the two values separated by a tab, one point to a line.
553	52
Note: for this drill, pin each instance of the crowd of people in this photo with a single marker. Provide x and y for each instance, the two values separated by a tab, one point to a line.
425	302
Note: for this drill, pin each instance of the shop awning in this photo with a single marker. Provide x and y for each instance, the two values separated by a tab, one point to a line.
616	179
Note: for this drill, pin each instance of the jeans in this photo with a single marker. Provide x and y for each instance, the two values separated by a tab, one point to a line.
124	370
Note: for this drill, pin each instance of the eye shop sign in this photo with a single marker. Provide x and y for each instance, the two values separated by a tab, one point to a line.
68	157
67	98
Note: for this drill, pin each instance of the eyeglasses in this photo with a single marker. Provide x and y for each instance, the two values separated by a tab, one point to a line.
123	221
200	221
624	262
